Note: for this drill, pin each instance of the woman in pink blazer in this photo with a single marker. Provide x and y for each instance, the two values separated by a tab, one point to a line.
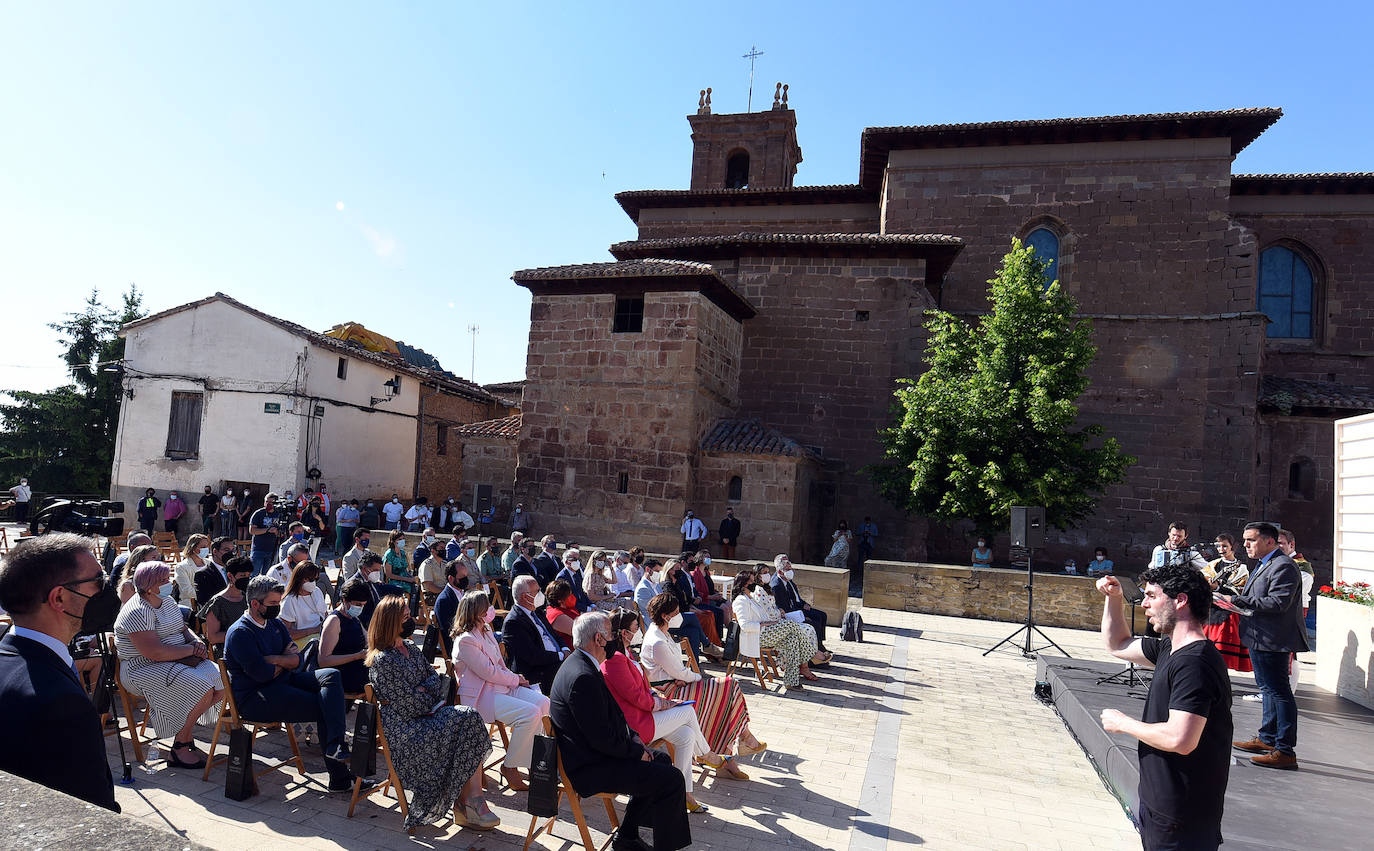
487	685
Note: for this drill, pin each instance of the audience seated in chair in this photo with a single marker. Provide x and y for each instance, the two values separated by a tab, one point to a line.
560	610
534	650
303	606
793	607
761	625
343	641
228	604
456	581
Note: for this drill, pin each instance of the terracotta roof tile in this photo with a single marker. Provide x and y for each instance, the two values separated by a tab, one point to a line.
1329	183
1288	393
506	427
752	437
635	201
643	268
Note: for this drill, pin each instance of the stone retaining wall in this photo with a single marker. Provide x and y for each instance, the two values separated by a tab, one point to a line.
985	593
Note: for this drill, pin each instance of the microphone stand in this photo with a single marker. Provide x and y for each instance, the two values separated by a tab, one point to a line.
1132	674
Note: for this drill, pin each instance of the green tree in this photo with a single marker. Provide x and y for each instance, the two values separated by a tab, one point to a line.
63	439
992	422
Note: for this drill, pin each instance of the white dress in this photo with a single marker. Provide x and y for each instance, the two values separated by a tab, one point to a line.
171	688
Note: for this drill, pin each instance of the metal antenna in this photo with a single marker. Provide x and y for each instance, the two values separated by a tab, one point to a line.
473	329
754	53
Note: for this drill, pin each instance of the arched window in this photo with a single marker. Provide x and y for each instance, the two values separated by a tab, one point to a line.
735	491
1285	293
1046	245
737	170
1302	479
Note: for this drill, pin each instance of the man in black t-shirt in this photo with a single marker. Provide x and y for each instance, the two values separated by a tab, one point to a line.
1185	729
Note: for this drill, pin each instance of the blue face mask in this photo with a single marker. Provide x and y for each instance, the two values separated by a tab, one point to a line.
355	611
299	536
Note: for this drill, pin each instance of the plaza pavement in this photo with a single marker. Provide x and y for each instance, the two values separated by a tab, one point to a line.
912	739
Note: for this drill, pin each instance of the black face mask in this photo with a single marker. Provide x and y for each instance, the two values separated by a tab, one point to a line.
102	608
242	583
271	613
408	628
463	583
751	587
364	542
614	646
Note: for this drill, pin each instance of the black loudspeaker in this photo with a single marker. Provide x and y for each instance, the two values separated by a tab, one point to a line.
1028	526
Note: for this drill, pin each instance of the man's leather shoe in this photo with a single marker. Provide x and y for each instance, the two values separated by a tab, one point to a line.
621	841
1276	759
1253	746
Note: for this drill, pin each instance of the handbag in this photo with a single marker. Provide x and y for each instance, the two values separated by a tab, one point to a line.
543	795
364	757
431	645
730	643
238	779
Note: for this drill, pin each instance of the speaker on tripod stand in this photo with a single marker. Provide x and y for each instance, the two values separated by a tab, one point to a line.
1028	532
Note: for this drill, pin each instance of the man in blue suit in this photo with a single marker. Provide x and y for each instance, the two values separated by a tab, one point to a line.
53	732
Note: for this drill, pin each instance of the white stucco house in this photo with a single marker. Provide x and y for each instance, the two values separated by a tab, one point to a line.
218	393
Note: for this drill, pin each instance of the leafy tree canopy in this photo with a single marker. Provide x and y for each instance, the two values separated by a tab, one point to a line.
63	439
992	422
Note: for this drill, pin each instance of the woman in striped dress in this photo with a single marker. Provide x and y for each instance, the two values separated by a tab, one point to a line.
720	707
160	659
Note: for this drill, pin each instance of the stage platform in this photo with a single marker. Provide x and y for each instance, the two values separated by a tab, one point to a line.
1324	804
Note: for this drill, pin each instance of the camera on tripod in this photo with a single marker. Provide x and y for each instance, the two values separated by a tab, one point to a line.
84	517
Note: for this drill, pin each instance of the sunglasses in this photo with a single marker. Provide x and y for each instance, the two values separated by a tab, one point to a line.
99	580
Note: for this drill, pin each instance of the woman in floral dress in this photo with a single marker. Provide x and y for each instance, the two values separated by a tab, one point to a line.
437	748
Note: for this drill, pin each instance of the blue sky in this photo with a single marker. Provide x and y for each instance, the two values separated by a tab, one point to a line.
191	148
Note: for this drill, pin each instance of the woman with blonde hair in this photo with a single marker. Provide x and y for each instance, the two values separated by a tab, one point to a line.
437	748
162	660
487	685
185	575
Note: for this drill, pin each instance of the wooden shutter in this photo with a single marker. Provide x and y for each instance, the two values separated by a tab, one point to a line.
183	427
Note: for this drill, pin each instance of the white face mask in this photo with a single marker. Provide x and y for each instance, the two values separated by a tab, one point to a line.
165	590
375	576
981	544
245	493
788	574
308	587
538	600
574	564
204	552
1101	557
764	577
675	621
430	539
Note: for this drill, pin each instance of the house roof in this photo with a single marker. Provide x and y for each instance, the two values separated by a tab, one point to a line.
652	199
939	250
751	437
444	380
636	277
1242	126
1289	393
1331	183
507	428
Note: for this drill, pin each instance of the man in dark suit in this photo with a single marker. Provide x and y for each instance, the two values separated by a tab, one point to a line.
601	754
523	564
534	650
1273	632
53	732
213	578
789	599
546	564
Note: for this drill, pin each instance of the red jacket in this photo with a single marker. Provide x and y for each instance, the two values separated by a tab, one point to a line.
626	681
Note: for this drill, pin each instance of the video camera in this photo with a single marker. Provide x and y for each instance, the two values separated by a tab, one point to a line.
84	517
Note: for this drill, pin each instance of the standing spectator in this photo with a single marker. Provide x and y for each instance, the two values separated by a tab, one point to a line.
1273	632
243	513
53	588
392	513
982	554
417	516
172	512
323	495
314	519
229	509
22	494
729	534
461	519
868	537
1100	565
147	511
263	527
345	523
519	521
209	505
693	532
839	549
370	517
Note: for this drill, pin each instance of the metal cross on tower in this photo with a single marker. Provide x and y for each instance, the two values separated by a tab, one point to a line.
754	53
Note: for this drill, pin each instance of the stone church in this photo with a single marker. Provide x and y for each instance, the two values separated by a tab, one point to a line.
742	351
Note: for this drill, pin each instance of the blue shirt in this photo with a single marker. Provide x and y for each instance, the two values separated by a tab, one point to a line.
347	516
245	646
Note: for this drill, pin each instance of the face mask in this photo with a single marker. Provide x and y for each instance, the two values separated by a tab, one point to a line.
981	544
355	610
245	493
463	582
751	588
364	542
706	562
166	590
675	621
371	504
490	614
308	587
429	540
271	613
764	577
375	576
788	574
574	565
614	646
101	609
471	553
298	537
242	583
401	544
1101	557
538	600
394	499
519	511
204	552
408	628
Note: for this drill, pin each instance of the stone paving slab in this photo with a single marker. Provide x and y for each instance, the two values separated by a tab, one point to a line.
912	738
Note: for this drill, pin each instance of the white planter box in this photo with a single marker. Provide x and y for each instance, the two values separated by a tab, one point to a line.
1345	649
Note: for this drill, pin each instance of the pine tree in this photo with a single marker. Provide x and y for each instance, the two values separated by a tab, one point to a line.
992	422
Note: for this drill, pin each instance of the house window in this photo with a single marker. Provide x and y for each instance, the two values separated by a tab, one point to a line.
734	492
183	427
622	484
396	385
1302	479
1285	293
441	446
342	371
629	315
1046	245
737	170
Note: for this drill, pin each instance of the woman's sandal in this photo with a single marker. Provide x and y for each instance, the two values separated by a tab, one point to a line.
746	750
697	808
174	760
729	769
469	815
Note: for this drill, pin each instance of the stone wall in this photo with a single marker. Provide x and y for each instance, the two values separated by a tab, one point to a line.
984	593
441	458
728	221
491	461
772	505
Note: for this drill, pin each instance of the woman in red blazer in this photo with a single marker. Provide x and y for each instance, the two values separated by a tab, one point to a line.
650	716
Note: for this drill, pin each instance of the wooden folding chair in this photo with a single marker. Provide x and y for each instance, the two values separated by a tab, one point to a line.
687	651
5	543
575	803
137	730
393	780
229	718
741	660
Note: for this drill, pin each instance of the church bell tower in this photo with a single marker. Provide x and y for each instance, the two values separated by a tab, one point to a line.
746	150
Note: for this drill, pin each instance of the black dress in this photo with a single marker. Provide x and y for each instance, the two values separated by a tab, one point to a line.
352	639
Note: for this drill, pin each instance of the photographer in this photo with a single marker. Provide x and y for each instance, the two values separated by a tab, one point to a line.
264	527
1176	550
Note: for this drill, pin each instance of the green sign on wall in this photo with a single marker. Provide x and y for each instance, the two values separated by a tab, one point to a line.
271	407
